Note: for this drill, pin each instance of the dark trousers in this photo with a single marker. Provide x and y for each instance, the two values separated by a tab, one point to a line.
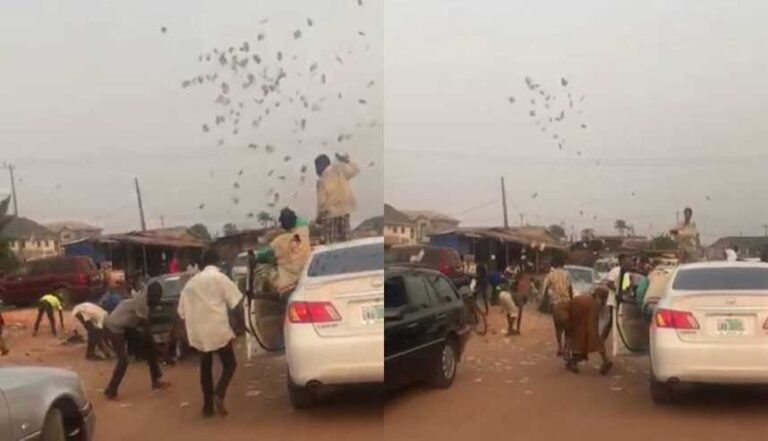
227	357
95	338
47	309
121	352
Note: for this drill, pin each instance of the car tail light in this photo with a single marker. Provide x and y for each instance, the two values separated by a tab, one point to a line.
312	312
446	269
667	318
83	279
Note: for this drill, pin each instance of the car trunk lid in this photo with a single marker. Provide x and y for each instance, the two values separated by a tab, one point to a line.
724	316
357	298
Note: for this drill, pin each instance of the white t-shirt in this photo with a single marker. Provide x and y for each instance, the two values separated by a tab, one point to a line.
731	256
204	305
91	313
613	276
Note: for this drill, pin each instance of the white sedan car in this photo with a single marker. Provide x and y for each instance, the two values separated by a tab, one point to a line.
710	327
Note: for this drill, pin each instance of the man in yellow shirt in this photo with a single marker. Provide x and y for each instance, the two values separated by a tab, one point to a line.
289	252
47	305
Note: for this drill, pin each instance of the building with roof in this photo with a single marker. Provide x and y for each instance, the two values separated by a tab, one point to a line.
28	239
428	222
499	247
399	229
370	227
750	247
73	231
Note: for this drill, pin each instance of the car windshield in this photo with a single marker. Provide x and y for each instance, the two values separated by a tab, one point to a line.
172	286
604	266
580	276
356	259
712	279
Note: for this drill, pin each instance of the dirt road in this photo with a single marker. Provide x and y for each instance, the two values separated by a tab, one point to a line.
514	388
257	399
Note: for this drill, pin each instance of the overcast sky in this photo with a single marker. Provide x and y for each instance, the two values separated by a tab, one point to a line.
675	109
91	97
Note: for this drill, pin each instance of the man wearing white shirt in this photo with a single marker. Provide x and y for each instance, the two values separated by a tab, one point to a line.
92	316
204	306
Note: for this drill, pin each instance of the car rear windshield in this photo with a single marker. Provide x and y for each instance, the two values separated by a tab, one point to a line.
712	279
172	286
580	276
347	260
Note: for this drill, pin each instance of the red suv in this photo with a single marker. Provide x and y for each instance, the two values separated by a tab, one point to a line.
445	260
77	276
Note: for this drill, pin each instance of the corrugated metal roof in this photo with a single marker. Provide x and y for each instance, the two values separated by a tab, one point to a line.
528	236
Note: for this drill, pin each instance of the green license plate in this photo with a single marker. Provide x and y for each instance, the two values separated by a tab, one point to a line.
372	314
730	326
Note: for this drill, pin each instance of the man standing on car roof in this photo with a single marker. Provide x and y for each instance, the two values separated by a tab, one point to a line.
47	305
687	237
204	306
133	315
289	251
335	199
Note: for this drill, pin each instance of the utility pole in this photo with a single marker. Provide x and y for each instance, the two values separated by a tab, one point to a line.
677	217
141	205
765	227
522	220
504	202
162	221
10	168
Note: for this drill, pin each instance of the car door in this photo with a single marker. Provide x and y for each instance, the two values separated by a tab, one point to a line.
264	314
5	419
449	308
409	335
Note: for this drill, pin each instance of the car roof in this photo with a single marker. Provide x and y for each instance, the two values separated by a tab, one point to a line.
350	244
401	268
722	264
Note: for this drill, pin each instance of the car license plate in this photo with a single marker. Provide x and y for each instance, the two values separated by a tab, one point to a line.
372	314
730	326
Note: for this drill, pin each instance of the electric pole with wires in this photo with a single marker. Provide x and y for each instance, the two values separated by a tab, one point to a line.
11	168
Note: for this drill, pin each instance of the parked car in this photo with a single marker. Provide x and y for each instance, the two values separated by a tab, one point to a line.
711	326
76	275
426	327
603	266
46	404
583	279
332	326
444	260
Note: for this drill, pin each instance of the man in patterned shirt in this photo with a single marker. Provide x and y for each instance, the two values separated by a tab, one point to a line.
558	289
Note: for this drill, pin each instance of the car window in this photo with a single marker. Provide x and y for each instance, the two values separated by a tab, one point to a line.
356	259
418	293
62	266
711	279
172	286
580	276
38	268
443	289
394	293
402	254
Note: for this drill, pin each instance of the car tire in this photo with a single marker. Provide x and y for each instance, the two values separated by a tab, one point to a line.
300	397
661	393
53	426
444	370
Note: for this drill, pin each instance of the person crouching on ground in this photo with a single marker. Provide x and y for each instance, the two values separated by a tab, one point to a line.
133	315
512	303
47	305
92	316
204	306
581	323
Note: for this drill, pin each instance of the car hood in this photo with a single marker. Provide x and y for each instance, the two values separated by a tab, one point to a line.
12	377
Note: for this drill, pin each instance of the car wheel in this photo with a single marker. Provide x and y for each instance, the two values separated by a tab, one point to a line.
444	370
661	393
300	397
53	426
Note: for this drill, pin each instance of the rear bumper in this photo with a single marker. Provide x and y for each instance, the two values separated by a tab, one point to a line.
89	422
714	363
333	360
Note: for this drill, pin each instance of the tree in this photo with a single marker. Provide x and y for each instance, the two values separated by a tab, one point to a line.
557	231
588	234
201	231
663	242
229	229
265	219
621	226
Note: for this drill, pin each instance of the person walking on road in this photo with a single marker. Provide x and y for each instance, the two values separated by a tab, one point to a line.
204	306
335	199
48	305
558	289
92	316
133	315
